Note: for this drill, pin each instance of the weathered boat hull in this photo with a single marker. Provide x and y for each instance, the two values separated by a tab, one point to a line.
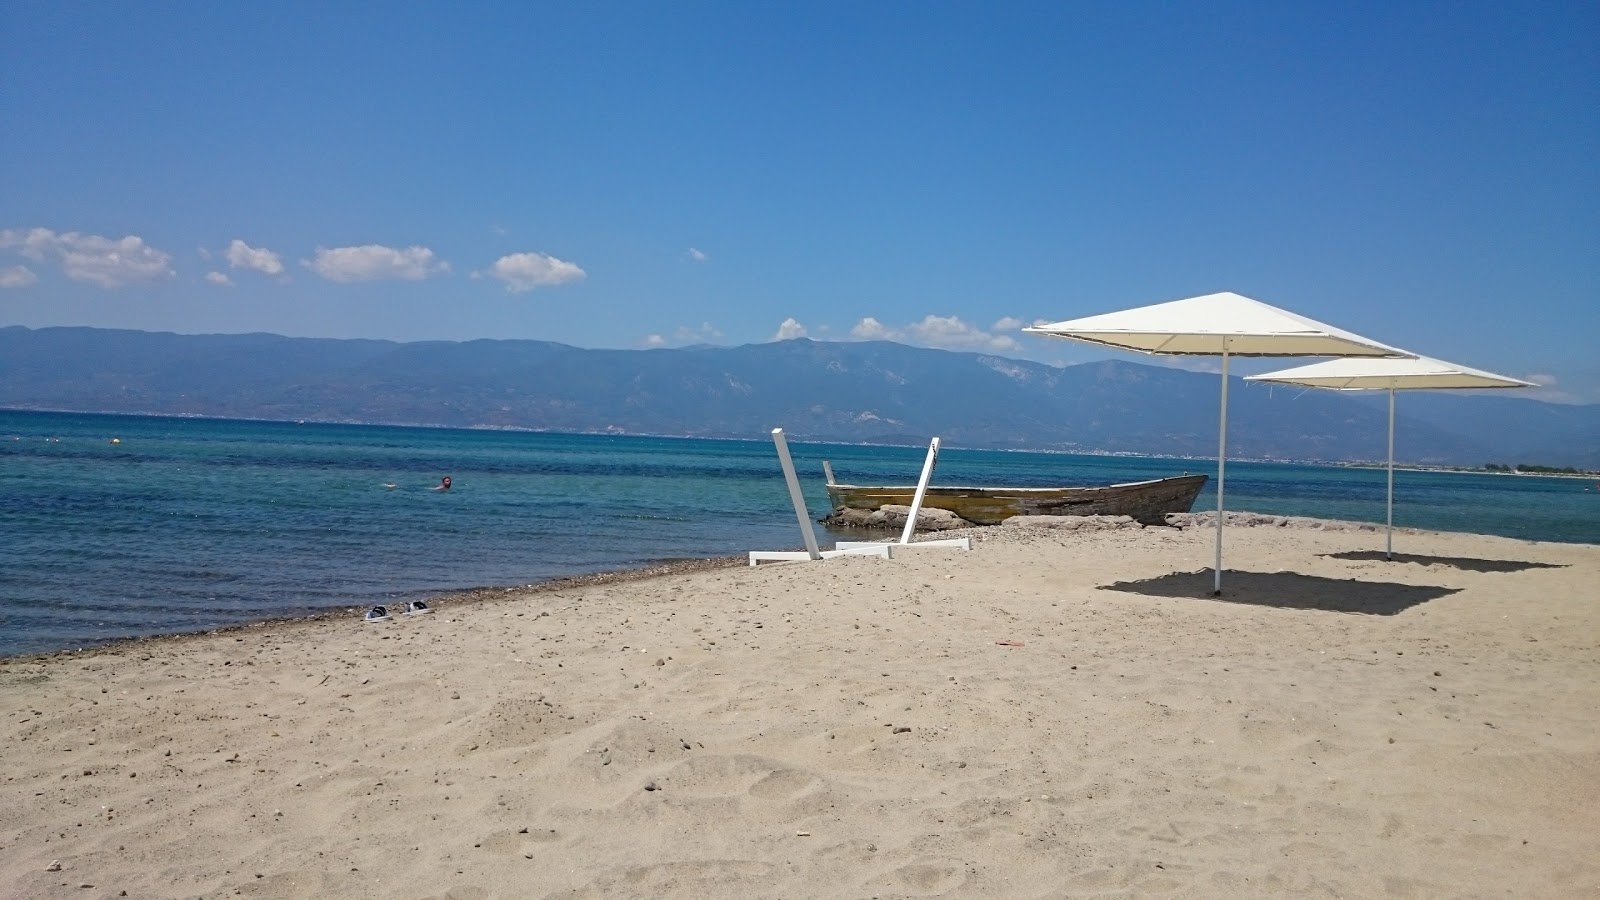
1148	502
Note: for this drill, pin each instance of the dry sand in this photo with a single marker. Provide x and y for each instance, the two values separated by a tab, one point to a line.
1341	726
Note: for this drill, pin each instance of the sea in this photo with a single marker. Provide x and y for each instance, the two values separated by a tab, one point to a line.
122	526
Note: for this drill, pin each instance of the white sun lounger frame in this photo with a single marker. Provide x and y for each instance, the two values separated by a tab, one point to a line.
879	549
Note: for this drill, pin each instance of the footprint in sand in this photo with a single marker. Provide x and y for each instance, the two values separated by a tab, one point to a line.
518	842
782	784
930	878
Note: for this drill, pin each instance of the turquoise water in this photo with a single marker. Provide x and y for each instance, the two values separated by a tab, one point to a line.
193	524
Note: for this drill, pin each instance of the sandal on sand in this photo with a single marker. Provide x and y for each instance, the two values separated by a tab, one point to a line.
417	608
377	614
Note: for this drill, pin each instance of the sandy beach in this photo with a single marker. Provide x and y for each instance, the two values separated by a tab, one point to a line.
1054	713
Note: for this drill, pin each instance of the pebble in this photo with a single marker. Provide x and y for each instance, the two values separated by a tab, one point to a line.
652	786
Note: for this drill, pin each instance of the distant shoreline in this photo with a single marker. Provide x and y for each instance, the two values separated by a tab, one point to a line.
1581	476
1364	464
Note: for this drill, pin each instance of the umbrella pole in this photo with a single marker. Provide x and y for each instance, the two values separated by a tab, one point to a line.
1388	527
1222	460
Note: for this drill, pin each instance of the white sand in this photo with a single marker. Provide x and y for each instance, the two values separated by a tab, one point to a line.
1142	741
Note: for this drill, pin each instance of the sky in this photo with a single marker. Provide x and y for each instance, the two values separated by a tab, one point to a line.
634	175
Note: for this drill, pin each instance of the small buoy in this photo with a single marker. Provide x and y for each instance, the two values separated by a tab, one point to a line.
116	440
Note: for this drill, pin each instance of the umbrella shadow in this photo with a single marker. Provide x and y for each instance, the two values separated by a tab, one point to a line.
1466	563
1290	590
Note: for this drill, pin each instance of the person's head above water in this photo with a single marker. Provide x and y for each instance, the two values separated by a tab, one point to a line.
444	484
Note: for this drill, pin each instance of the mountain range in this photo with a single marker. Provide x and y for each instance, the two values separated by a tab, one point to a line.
868	391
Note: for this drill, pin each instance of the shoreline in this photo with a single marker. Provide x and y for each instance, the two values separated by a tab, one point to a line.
1201	520
338	613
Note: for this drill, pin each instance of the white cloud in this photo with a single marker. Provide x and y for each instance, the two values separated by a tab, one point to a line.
944	331
244	256
936	331
684	334
219	278
89	257
697	256
789	330
1007	323
18	277
870	329
706	332
375	262
523	272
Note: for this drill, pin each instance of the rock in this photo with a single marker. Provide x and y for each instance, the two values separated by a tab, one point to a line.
844	517
894	517
1261	520
1073	523
652	786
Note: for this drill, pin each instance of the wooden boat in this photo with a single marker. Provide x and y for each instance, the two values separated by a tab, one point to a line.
1146	501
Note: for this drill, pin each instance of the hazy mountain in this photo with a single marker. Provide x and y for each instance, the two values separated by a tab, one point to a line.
871	391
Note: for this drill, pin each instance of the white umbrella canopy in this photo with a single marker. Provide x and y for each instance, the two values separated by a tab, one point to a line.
1214	325
1419	374
1225	325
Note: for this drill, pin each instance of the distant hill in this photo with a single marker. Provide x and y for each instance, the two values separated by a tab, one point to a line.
873	391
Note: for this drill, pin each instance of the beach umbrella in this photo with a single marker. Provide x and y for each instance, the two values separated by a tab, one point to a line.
1224	325
1419	374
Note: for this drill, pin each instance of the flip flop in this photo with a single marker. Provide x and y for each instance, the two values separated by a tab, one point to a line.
377	614
417	608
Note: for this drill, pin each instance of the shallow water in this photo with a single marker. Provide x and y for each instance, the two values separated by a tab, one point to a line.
193	524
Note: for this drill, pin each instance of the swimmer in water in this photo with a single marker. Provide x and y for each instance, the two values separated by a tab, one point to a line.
444	485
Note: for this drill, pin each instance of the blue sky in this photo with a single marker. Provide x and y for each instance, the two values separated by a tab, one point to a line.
632	174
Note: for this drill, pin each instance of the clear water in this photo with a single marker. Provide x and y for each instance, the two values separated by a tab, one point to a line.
193	524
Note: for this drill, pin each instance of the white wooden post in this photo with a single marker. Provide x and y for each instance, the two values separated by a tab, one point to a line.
922	491
795	496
